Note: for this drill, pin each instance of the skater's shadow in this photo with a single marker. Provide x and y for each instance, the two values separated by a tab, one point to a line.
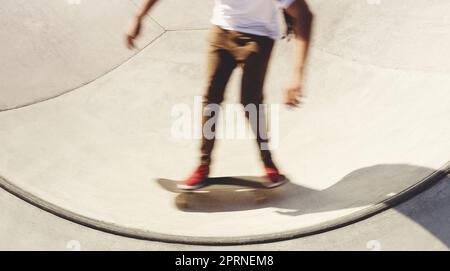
360	189
363	187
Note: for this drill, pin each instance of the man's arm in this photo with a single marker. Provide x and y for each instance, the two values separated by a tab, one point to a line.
135	27
302	25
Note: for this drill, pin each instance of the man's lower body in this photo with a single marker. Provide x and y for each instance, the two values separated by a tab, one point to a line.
228	50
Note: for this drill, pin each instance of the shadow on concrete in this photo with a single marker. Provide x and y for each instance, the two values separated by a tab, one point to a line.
360	188
376	188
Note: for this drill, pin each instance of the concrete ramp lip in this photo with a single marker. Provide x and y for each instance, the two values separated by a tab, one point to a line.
391	201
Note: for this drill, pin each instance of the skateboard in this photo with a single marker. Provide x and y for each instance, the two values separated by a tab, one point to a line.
253	185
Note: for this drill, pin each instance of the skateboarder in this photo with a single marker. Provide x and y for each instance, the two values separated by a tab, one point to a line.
243	34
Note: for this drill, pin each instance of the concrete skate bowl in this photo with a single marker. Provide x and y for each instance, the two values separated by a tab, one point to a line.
372	131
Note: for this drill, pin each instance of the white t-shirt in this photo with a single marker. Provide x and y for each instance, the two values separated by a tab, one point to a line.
258	17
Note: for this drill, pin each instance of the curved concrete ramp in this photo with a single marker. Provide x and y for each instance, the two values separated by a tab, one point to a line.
51	47
371	132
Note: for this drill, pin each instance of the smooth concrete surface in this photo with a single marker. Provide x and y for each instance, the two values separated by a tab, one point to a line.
401	34
50	47
373	124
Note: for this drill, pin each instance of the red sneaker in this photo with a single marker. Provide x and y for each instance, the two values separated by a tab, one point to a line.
274	176
197	179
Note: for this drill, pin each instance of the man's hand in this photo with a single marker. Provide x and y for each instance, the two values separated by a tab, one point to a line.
136	25
301	18
133	33
294	94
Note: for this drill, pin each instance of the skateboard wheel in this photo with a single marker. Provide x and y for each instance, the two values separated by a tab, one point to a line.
182	202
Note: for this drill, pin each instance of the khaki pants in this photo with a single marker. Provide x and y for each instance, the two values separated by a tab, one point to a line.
228	50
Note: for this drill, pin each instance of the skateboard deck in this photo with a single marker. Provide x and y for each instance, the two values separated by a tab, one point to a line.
253	185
